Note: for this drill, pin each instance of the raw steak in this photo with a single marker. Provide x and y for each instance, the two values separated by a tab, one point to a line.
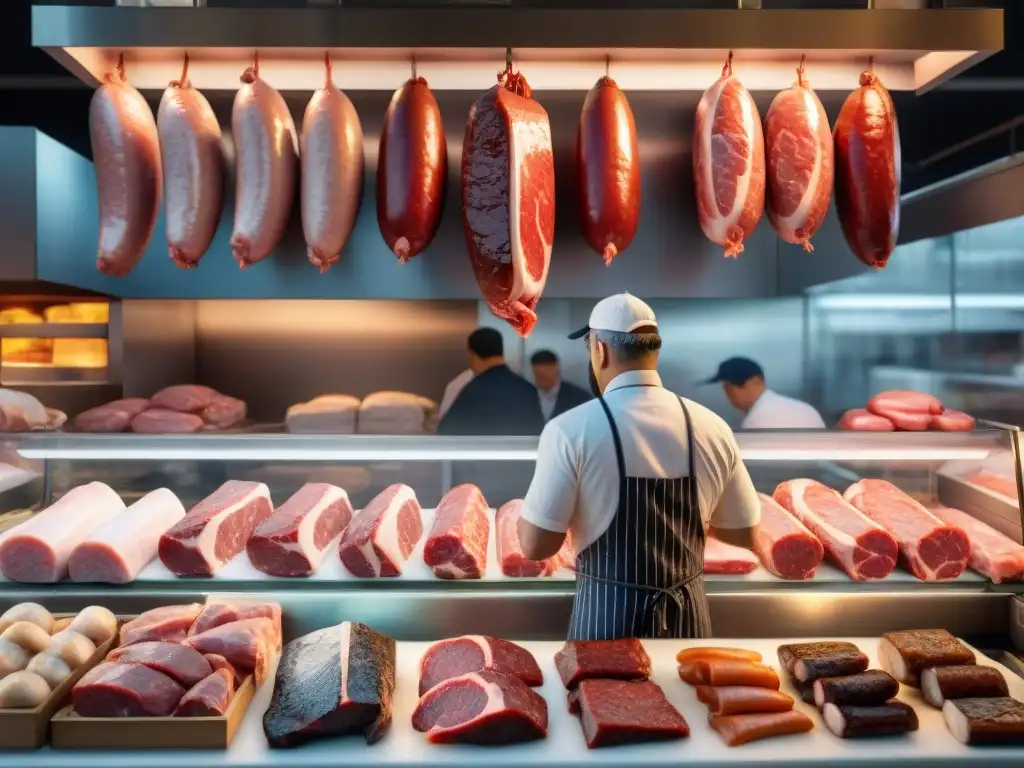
855	543
294	540
784	544
627	712
863	420
624	659
216	529
508	198
993	481
224	412
115	416
116	553
185	398
249	645
161	421
457	545
472	653
510	554
722	558
219	662
992	554
184	665
930	549
217	614
482	707
210	697
170	623
313	701
113	689
38	550
381	536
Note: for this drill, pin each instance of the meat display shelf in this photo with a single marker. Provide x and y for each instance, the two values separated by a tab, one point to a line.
402	747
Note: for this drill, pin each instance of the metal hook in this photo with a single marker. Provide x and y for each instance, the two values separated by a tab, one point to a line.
508	59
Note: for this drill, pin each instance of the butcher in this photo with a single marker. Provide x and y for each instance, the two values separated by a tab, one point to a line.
556	395
745	387
641	477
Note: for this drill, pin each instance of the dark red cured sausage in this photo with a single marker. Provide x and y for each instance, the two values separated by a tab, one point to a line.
412	169
867	153
608	160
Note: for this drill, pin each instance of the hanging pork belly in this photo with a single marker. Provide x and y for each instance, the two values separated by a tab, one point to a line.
508	198
728	163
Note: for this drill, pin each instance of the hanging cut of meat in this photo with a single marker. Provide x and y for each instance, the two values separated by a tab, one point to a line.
728	163
126	152
412	170
508	198
331	158
800	163
608	161
867	148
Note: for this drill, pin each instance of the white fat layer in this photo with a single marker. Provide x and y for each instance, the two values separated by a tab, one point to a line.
525	138
385	535
485	648
834	719
206	541
450	569
719	225
798	218
956	722
304	543
495	698
892	662
819	694
346	643
813	520
930	688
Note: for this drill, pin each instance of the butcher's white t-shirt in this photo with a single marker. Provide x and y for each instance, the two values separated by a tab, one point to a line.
775	411
453	390
576	482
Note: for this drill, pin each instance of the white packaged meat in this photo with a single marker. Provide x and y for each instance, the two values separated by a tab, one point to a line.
327	414
397	413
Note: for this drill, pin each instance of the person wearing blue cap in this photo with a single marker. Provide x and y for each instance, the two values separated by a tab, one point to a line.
640	477
744	385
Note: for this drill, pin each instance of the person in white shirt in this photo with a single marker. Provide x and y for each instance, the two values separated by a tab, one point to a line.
639	476
451	392
556	396
744	385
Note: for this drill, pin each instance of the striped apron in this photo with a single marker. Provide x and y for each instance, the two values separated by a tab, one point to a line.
644	576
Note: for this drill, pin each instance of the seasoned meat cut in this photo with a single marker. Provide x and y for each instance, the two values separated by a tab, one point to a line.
627	712
853	720
736	730
383	534
624	659
510	553
930	549
784	544
508	198
472	653
115	553
38	550
216	529
994	555
743	699
962	682
332	682
184	665
985	721
115	689
210	697
456	547
294	540
862	689
483	707
858	545
807	662
719	672
716	652
906	653
169	622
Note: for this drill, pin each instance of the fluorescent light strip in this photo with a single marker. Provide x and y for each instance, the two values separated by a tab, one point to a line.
899	301
353	455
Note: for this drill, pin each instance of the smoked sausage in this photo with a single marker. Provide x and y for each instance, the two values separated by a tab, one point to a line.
800	163
867	152
608	161
412	170
331	155
265	148
729	188
126	152
193	164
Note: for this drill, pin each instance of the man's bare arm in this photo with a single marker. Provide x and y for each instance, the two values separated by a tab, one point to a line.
538	544
738	537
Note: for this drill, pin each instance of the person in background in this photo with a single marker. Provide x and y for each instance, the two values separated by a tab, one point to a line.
556	396
640	476
455	386
744	385
496	401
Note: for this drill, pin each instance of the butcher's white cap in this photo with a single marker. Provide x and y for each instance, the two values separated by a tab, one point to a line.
621	313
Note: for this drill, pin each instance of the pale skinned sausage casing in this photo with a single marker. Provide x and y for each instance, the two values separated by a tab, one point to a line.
412	170
608	160
126	152
265	148
332	173
193	164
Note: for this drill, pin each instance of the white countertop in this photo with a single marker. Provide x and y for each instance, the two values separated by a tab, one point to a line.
402	747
